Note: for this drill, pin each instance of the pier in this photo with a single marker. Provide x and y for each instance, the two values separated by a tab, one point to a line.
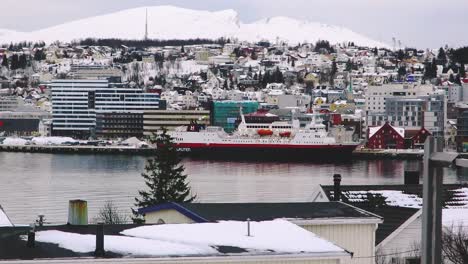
58	149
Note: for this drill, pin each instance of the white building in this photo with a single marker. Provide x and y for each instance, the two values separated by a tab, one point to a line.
76	102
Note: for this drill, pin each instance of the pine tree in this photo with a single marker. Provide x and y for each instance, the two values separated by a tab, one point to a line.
23	62
349	65
293	63
334	69
441	57
462	71
164	176
401	72
451	78
5	61
14	63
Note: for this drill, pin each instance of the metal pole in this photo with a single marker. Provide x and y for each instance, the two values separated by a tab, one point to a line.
432	204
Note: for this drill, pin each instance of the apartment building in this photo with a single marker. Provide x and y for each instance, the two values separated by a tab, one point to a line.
84	108
410	106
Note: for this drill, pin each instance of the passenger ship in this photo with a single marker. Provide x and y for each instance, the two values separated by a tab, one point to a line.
278	140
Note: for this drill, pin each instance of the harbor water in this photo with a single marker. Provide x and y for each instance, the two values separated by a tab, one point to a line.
32	184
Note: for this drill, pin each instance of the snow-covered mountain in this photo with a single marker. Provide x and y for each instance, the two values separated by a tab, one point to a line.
169	22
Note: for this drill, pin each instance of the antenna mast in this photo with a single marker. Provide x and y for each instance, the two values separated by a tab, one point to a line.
146	25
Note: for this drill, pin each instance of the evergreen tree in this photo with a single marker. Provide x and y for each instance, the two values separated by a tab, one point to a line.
225	85
400	55
458	80
401	72
278	77
349	65
441	57
434	69
462	71
5	62
266	79
293	63
182	50
14	63
164	177
451	78
334	69
23	62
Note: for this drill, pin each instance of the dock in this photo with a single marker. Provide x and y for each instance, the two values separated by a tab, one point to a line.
60	149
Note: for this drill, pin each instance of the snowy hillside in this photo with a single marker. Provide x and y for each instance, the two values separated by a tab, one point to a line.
168	22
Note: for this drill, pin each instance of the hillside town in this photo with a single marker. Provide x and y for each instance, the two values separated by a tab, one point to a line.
132	91
264	99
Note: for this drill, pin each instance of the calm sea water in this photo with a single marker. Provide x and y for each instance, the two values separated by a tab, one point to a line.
33	184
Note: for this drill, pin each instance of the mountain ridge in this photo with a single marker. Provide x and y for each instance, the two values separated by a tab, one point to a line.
170	22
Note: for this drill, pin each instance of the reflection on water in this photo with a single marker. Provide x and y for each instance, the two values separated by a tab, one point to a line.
32	184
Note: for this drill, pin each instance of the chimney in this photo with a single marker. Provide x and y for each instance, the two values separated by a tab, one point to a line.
77	212
337	187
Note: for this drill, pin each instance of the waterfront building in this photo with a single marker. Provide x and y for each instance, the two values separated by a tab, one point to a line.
154	120
386	137
409	106
84	108
225	113
22	120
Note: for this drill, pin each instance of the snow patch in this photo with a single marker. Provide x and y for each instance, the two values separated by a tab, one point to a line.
14	141
51	140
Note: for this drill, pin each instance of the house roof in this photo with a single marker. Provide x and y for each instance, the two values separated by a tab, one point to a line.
395	203
374	130
409	196
206	212
226	239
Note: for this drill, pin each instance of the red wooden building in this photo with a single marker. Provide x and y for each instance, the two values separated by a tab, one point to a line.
419	138
386	137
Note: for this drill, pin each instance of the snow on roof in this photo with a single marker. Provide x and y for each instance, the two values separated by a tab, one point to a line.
4	221
267	238
401	199
399	130
392	198
122	245
279	236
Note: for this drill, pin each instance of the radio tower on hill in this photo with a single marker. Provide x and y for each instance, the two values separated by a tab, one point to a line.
146	25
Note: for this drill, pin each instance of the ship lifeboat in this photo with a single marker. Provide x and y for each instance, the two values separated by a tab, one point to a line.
285	134
265	132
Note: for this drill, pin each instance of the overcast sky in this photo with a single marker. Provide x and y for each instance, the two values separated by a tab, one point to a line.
417	23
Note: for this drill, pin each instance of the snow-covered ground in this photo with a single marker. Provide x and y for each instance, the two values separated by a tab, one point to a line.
269	237
51	140
12	141
169	22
